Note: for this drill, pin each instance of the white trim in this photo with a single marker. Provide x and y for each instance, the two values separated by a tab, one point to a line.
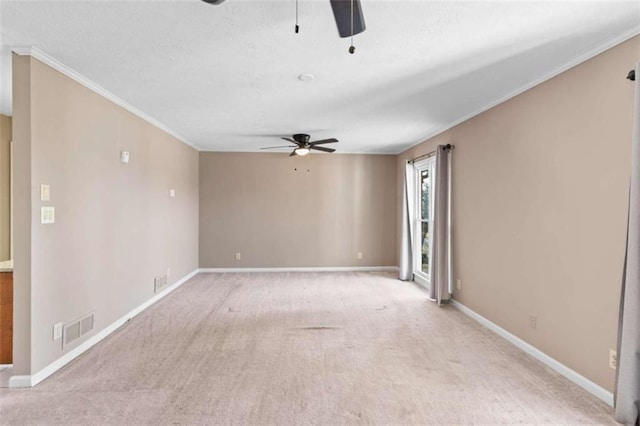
20	382
591	387
603	47
422	282
305	269
38	54
28	381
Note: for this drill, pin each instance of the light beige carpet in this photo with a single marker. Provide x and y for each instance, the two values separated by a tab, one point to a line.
302	348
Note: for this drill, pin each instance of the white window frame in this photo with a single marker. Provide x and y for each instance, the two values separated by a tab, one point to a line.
419	166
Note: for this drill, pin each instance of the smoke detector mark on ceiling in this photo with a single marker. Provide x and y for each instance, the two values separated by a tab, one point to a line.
306	77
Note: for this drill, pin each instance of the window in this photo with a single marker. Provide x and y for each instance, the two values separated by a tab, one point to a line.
424	217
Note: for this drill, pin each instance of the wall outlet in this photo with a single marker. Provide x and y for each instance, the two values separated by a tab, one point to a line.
458	284
533	322
57	331
359	255
237	256
159	283
613	359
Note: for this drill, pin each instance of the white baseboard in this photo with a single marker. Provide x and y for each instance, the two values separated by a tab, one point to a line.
305	269
20	382
28	381
576	378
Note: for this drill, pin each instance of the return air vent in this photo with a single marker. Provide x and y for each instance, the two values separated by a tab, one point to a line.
159	283
76	329
86	324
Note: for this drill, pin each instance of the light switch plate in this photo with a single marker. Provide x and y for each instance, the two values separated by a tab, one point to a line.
172	193
124	156
44	192
47	215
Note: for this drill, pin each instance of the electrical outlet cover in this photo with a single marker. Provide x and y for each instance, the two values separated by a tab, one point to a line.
613	359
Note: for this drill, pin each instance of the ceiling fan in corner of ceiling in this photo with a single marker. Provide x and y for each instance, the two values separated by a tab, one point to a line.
302	145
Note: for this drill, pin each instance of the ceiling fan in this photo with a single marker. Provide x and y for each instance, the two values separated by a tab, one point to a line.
347	13
302	146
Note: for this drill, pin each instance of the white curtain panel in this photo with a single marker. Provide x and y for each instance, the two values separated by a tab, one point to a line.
408	215
628	372
441	235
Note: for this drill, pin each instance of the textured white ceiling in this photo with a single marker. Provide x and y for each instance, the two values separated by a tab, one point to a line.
225	77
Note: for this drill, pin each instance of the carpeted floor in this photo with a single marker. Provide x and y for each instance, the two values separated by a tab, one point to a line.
302	348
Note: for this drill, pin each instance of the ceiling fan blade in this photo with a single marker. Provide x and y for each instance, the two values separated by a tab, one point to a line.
332	140
321	148
342	13
293	153
281	146
290	140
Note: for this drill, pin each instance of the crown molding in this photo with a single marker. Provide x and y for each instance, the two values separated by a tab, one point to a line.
46	59
600	48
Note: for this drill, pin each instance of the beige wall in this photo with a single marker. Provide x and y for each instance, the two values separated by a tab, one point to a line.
116	226
5	187
281	211
540	187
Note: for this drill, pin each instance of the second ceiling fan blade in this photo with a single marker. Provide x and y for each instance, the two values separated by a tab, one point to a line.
323	141
293	153
321	148
290	140
281	146
342	12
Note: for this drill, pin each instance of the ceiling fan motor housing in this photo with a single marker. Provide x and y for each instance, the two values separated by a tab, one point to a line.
302	138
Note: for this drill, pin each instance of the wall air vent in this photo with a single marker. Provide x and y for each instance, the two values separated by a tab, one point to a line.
71	332
76	329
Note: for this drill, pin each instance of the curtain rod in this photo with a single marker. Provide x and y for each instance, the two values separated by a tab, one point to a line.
430	154
632	75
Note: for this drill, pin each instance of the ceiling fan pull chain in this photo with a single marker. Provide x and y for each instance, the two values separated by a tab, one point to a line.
352	48
297	27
